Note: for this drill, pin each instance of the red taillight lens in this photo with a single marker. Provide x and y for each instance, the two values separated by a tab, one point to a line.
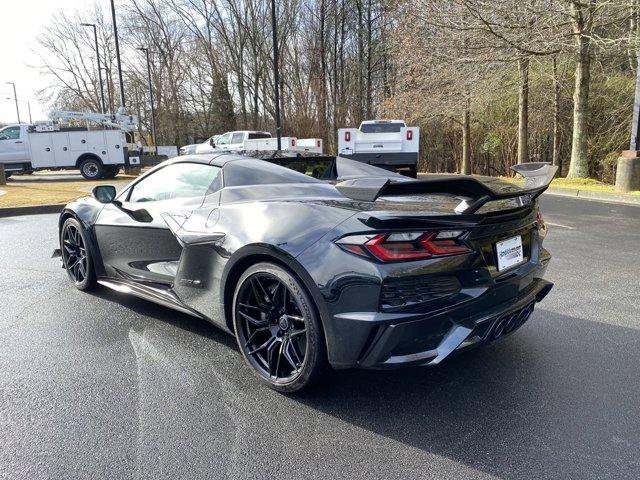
318	143
405	246
293	142
395	251
409	134
347	136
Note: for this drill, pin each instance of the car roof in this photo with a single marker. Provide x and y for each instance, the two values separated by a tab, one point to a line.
215	159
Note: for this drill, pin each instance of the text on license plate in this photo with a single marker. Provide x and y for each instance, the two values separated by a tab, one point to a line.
509	252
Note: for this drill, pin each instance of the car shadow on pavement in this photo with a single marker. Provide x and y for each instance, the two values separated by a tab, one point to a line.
167	315
558	399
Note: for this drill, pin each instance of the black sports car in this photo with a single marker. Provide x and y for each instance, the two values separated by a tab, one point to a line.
360	267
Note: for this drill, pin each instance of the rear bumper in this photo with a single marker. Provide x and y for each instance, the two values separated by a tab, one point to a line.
393	159
427	339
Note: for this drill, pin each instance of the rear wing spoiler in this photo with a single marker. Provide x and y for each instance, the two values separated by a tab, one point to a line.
474	192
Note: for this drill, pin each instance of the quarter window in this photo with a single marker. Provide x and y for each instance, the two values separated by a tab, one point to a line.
237	138
179	180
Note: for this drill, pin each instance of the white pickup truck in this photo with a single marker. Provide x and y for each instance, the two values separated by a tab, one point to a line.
249	140
230	141
388	144
97	153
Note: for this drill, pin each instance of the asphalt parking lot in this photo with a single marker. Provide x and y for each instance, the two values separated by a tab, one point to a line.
101	385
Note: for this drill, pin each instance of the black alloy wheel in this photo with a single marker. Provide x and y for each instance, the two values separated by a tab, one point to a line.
75	255
277	329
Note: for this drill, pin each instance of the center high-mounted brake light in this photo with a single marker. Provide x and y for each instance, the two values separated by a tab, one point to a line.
405	246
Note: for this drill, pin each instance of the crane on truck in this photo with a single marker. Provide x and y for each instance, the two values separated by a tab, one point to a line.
126	123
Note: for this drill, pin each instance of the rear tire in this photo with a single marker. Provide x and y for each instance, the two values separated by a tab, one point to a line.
110	171
277	328
91	168
76	255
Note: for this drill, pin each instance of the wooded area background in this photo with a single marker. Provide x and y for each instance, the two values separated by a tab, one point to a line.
490	83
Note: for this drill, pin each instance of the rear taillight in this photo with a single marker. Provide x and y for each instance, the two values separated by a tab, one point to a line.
409	134
405	246
347	136
318	143
293	142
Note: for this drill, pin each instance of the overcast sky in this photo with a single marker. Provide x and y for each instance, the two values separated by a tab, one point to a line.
20	24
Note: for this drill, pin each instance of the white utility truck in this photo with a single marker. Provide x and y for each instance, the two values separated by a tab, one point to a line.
388	144
97	153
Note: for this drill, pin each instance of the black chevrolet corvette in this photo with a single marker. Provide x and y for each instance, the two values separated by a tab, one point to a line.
359	267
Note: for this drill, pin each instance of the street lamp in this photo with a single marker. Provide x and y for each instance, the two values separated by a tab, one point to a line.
276	73
15	98
107	73
153	113
118	61
95	37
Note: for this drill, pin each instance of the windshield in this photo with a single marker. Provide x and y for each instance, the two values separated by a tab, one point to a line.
386	127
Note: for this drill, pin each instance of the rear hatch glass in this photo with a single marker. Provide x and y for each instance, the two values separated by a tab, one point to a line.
387	127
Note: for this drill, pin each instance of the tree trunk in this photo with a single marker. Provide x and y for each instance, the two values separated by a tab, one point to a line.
465	167
523	110
579	166
556	118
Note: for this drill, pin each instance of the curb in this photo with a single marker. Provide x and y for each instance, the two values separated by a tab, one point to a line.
595	196
31	210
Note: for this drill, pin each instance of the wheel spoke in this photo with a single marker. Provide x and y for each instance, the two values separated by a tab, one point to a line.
288	345
255	334
297	318
262	296
246	305
266	344
253	321
270	358
297	333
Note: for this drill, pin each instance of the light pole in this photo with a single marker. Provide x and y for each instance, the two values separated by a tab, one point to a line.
15	98
118	61
107	73
276	73
95	37
153	112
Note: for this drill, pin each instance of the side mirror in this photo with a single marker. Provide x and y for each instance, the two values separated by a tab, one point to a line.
212	143
104	193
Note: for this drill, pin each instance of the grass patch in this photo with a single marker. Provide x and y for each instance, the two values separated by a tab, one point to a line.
584	184
22	194
588	185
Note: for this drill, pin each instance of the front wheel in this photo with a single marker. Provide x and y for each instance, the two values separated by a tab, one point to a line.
277	328
76	256
91	169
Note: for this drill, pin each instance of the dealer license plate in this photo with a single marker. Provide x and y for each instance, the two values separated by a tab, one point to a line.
509	252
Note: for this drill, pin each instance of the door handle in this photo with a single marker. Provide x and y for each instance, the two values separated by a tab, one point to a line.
47	149
18	141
